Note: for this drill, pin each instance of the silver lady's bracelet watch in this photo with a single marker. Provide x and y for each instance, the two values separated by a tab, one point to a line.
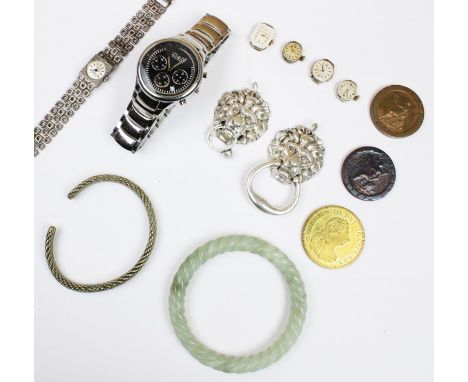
96	71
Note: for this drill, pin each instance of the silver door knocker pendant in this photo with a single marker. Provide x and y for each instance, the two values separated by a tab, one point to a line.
295	155
240	117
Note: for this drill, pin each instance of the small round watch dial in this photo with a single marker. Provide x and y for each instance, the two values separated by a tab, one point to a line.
322	71
180	77
347	91
159	63
169	68
162	80
96	70
292	51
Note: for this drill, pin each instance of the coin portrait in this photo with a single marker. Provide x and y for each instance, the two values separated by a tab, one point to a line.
397	111
368	173
333	237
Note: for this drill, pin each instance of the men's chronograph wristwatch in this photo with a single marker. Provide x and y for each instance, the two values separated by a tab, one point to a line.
168	71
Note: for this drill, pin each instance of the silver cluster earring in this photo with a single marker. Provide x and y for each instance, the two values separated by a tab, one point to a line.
295	155
240	117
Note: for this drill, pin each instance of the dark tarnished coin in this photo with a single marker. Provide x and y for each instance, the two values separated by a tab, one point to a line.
368	173
397	111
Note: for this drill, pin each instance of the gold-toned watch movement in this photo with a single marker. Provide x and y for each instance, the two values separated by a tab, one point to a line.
292	52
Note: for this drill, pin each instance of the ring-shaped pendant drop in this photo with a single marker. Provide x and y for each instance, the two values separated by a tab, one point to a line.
49	243
248	363
261	202
295	155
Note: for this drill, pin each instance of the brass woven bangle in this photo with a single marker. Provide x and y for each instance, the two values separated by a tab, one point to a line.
49	253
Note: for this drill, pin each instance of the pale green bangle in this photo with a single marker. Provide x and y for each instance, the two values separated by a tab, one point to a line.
277	349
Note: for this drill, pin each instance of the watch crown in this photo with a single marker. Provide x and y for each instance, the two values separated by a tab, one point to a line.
183	101
205	74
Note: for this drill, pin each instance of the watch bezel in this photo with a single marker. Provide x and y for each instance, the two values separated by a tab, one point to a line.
184	94
101	57
104	64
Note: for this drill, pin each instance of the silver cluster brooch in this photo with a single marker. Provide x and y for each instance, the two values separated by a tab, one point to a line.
240	117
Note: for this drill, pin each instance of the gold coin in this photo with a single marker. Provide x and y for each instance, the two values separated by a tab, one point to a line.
333	237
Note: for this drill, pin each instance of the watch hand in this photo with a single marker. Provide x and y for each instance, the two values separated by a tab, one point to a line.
168	61
176	65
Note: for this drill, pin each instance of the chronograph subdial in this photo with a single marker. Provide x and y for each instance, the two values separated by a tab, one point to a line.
180	77
162	80
159	63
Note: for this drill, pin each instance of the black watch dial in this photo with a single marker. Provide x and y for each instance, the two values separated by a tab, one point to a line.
169	68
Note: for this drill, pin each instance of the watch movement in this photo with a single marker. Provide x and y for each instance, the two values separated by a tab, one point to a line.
322	71
262	36
292	52
347	91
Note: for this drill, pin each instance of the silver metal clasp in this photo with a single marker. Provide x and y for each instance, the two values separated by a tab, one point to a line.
295	155
261	202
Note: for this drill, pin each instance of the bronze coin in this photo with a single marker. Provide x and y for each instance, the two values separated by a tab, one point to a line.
368	173
397	111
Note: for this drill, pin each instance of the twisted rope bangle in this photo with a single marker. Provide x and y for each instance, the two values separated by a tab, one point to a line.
282	344
49	252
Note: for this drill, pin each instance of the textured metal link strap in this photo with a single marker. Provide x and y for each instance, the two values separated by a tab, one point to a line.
60	114
49	252
115	52
132	33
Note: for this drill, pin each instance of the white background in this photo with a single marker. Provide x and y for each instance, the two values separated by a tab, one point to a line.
371	320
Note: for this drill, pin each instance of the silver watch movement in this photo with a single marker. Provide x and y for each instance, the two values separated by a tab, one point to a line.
168	72
347	91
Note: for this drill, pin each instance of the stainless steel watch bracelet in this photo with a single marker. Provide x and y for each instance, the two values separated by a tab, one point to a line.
110	58
142	116
210	33
144	113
